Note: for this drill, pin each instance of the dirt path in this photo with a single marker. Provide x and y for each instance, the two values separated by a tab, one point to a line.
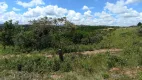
24	55
50	56
102	51
131	72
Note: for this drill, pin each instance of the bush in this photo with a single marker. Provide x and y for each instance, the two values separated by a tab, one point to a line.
115	61
77	37
38	64
140	76
139	24
140	31
105	76
56	65
133	55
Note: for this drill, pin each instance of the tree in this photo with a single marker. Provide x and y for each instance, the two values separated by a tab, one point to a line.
55	21
41	31
139	24
71	26
7	34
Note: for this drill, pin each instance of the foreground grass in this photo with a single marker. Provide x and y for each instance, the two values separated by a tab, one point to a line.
125	65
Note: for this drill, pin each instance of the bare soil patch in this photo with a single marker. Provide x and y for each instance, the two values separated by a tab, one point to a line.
102	51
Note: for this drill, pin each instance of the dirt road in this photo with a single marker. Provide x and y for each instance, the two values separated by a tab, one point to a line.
102	51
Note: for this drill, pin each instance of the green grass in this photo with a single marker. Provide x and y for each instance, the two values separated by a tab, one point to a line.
78	66
121	38
84	66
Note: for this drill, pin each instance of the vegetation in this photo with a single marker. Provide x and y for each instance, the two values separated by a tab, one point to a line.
139	24
47	33
28	53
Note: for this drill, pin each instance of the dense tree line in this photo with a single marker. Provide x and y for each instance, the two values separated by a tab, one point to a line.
48	33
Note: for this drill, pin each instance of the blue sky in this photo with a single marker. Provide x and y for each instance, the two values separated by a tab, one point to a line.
87	12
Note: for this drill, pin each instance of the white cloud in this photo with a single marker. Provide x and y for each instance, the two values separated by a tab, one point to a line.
74	17
120	8
3	7
30	4
140	16
85	7
117	8
55	11
15	9
132	1
10	15
35	13
102	14
130	14
49	10
78	18
124	15
87	13
104	18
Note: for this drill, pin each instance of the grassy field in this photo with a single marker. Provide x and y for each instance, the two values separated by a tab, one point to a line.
45	65
122	38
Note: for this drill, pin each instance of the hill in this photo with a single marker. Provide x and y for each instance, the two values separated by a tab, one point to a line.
117	56
122	38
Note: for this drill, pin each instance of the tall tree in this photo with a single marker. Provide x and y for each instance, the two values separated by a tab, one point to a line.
41	29
139	24
7	34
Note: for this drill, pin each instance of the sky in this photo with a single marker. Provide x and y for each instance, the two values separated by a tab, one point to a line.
80	12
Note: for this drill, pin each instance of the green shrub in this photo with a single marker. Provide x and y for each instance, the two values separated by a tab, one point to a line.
139	76
133	55
115	61
105	76
56	65
140	31
77	37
